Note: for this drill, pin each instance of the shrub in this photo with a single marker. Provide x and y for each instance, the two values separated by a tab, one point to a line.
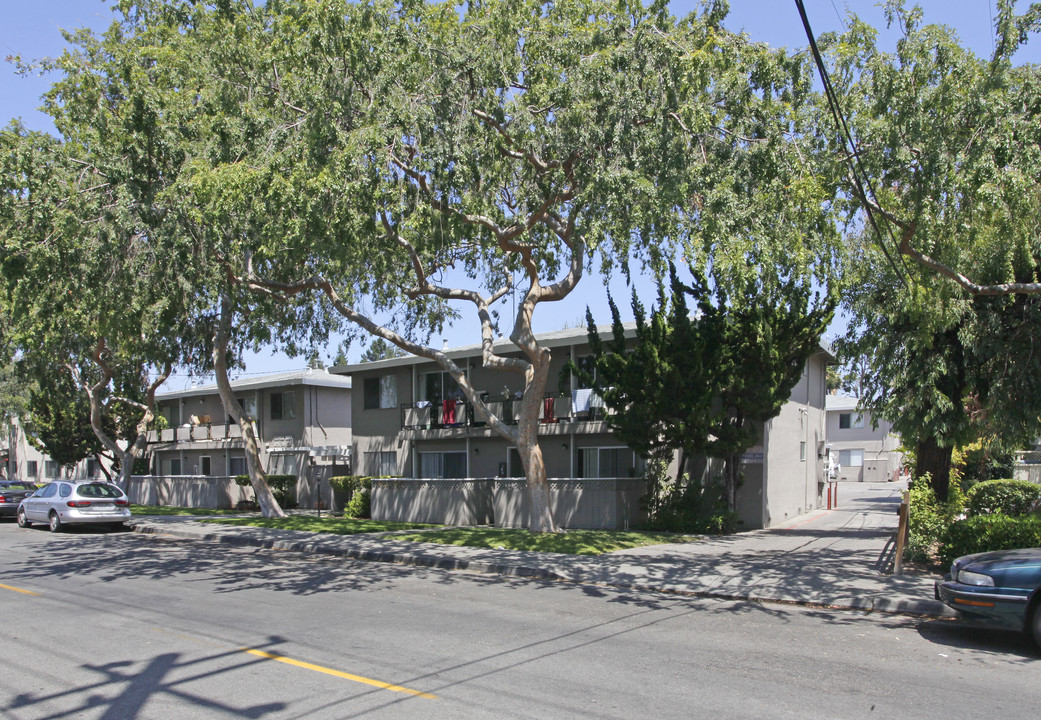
990	532
282	487
929	519
359	494
688	508
1007	497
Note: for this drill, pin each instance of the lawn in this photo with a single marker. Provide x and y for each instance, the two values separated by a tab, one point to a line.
572	542
140	510
325	524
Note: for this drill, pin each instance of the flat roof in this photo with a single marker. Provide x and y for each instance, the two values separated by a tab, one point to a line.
501	345
309	377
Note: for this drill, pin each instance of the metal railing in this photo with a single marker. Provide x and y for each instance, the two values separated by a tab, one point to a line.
196	433
581	406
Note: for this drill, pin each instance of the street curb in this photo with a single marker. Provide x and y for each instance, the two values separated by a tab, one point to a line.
917	608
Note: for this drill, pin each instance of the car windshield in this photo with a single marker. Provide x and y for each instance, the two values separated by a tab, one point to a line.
99	490
17	486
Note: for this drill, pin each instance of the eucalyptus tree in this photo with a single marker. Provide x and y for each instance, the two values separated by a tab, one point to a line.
945	295
408	159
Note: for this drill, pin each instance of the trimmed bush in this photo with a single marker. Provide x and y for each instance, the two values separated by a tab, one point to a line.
359	494
984	533
1007	497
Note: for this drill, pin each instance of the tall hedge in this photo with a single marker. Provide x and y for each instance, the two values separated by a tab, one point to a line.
983	533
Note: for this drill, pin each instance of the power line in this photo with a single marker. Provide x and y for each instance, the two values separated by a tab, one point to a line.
847	136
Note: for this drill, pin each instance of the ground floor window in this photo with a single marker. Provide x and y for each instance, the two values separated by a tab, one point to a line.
30	468
174	467
382	463
237	466
207	468
851	458
442	464
607	462
514	466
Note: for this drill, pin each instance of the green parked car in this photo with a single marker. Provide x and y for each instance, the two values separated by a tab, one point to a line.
1000	588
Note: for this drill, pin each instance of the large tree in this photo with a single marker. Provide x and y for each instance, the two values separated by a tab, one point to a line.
940	169
411	158
705	384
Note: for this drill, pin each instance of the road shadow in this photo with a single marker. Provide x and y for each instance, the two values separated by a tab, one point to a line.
968	636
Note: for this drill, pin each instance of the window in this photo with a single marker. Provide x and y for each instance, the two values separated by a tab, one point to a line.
172	413
175	466
610	462
514	468
851	458
442	464
30	468
802	450
206	468
50	469
380	392
237	466
848	421
92	467
283	405
436	386
249	406
380	464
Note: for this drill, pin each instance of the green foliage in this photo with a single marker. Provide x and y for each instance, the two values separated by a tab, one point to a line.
57	418
983	533
1007	497
688	507
380	349
705	384
984	459
572	542
929	520
949	141
283	487
359	494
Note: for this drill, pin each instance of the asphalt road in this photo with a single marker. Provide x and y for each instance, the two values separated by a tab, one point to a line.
122	625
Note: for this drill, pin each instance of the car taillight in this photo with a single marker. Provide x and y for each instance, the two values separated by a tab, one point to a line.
78	503
121	503
4	499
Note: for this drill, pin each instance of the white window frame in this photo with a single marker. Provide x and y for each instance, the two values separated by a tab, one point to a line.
600	449
855	420
380	463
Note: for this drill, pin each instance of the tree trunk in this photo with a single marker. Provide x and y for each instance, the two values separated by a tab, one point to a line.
269	506
731	479
540	517
934	459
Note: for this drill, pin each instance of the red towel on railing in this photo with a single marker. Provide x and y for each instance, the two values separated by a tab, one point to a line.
547	411
448	412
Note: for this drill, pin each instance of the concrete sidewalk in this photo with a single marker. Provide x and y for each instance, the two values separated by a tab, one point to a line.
835	558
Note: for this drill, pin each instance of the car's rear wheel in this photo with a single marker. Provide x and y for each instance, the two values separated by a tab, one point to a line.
55	522
117	527
22	520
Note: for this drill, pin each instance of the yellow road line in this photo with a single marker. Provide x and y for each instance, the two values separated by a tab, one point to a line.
18	590
337	673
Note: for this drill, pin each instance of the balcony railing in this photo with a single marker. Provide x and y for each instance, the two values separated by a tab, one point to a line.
197	433
579	406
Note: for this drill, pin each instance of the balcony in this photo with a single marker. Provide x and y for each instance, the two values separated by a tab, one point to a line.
557	408
204	432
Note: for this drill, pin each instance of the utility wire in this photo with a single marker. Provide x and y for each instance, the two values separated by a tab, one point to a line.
847	137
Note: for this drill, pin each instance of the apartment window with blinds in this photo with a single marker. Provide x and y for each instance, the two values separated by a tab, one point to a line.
607	462
381	463
380	393
442	464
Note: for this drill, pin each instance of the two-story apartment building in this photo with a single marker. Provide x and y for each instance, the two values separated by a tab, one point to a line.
865	453
300	416
410	419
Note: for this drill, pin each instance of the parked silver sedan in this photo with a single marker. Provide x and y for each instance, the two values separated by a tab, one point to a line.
63	502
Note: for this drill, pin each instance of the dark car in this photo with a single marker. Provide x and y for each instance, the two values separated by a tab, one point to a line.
11	493
1000	588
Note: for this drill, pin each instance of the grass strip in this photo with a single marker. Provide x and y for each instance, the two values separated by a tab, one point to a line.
325	524
572	542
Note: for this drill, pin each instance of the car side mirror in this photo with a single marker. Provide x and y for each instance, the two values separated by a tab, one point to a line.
29	495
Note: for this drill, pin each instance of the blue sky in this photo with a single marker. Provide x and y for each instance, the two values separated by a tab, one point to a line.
31	29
